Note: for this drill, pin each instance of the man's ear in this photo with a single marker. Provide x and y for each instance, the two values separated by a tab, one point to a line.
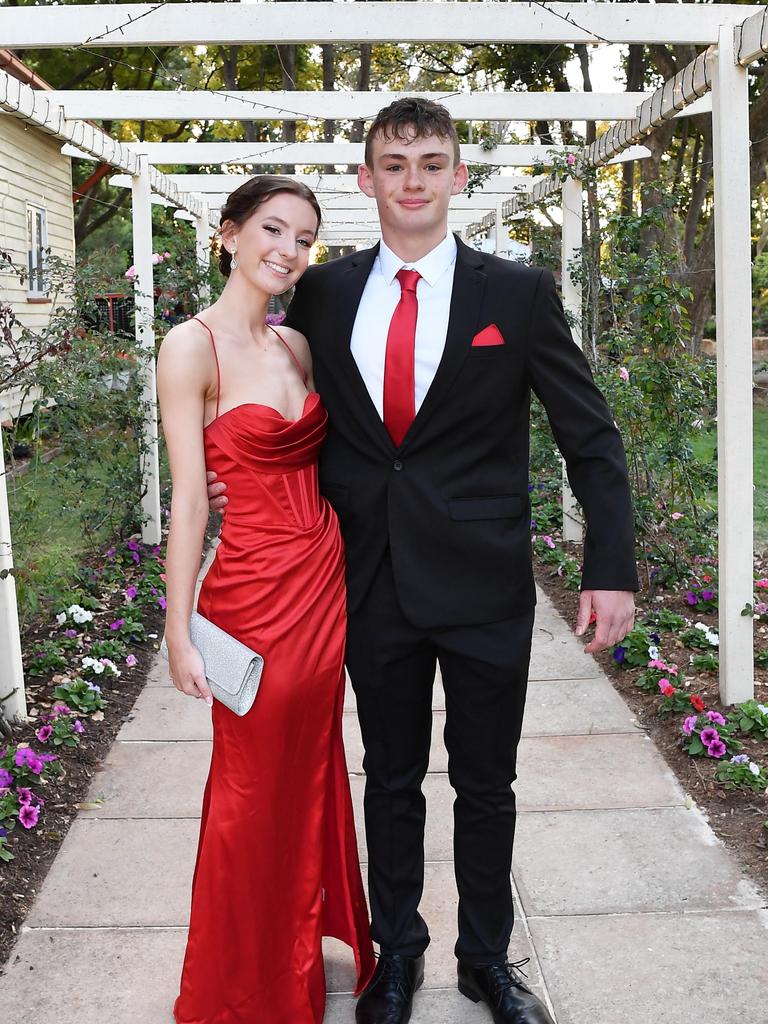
460	178
365	181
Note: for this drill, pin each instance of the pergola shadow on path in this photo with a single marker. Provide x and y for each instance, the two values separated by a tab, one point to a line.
734	36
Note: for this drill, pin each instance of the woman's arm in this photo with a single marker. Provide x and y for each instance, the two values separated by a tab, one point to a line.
184	375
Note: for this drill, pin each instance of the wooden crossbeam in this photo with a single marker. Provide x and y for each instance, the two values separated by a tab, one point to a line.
200	24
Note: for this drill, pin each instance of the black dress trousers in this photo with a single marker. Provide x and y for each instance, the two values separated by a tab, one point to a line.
484	669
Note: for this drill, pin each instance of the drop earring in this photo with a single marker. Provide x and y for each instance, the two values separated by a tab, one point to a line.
234	263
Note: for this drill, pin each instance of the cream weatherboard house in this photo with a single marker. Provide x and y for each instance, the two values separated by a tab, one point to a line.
36	213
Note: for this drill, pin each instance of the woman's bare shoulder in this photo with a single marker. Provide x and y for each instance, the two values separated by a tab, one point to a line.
299	345
189	337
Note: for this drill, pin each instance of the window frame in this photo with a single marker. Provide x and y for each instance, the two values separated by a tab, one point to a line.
37	245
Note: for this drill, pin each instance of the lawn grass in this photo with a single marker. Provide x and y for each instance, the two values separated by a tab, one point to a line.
49	543
704	445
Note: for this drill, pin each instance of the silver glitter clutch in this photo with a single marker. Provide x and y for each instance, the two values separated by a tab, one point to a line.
233	670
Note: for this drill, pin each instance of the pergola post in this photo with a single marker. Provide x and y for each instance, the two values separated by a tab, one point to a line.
501	236
144	300
733	282
203	253
12	697
570	252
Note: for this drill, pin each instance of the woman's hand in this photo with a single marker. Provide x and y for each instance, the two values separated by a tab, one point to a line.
187	671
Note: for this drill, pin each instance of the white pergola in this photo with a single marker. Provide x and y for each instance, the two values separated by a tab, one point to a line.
716	82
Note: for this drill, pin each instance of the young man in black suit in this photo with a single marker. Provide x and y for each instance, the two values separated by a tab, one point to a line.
425	353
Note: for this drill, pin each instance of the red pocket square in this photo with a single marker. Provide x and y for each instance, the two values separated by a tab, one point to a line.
490	335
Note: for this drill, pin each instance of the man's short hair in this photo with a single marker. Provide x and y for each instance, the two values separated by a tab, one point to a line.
412	118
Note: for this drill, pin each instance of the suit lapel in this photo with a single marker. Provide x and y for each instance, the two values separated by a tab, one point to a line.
466	302
351	286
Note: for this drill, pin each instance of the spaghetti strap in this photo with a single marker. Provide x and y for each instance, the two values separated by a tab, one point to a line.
290	352
216	357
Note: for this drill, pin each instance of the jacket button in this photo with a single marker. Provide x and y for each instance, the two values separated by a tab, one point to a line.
397	464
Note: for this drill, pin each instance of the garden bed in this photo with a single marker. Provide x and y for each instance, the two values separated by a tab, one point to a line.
737	817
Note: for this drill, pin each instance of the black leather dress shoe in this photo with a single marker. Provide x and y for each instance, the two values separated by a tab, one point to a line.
501	987
388	997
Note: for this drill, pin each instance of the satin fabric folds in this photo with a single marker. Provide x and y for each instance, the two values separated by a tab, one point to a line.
277	865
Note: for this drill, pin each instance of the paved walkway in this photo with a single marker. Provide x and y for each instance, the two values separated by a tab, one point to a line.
631	910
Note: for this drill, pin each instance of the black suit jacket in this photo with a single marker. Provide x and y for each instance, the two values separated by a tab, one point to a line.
452	500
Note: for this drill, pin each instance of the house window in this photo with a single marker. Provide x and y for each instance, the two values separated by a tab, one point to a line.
37	242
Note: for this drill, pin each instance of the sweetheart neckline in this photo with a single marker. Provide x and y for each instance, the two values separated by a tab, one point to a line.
261	405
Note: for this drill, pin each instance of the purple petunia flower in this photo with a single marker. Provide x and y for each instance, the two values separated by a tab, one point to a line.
131	660
48	757
709	735
689	724
130	593
3	833
691	598
619	654
70	633
707	595
5	778
77	726
715	717
25	795
162	602
132	545
110	553
28	815
530	488
740	759
44	733
716	749
117	624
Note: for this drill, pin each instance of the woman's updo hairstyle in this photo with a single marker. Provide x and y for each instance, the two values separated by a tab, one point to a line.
246	200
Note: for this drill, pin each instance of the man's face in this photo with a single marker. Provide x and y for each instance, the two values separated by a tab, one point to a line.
412	181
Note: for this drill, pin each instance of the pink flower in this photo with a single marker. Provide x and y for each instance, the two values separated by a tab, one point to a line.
130	273
25	795
715	717
624	373
28	815
761	584
571	159
77	726
167	255
716	749
44	733
690	724
709	735
131	660
549	542
676	515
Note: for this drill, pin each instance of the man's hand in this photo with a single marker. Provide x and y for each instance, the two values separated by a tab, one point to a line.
217	499
614	616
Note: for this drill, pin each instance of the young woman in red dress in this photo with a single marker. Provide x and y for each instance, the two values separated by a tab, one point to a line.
277	865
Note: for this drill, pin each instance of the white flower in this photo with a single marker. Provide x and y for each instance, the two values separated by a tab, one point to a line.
106	663
653	652
763	709
93	665
755	769
61	618
80	615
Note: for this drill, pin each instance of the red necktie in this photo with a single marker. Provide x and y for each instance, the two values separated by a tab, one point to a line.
399	364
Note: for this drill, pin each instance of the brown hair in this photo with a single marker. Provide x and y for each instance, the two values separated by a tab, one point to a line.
412	118
246	200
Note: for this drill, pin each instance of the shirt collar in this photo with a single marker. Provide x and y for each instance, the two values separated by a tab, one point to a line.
431	267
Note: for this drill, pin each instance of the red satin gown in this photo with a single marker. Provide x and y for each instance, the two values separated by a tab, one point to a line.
277	865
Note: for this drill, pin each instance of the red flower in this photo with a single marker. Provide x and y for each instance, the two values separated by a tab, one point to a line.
668	691
696	702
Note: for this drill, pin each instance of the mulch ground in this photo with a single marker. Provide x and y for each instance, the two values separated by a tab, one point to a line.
34	851
739	819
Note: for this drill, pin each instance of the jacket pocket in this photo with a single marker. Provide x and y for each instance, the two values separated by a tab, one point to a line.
509	506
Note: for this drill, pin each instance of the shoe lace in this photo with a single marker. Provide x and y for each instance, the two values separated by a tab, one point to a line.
504	977
390	967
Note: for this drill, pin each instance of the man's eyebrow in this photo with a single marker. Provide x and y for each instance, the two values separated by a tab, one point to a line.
423	156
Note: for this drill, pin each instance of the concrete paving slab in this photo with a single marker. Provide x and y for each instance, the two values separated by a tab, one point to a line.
109	873
561	658
151	780
566	772
656	968
93	976
163	713
158	673
565	707
430	1006
627	861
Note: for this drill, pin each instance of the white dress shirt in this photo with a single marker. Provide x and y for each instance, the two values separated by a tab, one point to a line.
380	297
